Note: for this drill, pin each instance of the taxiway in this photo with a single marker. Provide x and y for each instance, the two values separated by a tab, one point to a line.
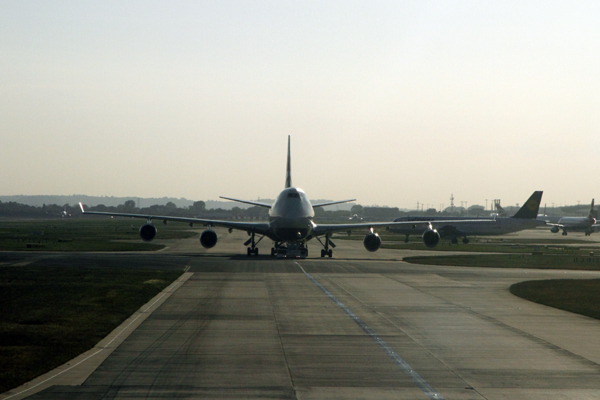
360	325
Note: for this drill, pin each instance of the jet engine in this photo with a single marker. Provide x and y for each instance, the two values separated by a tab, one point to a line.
431	237
372	241
208	239
554	229
147	232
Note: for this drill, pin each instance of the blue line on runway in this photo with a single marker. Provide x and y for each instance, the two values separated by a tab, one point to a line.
407	369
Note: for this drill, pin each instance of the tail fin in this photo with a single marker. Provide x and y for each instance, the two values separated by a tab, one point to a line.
288	173
501	211
593	213
531	207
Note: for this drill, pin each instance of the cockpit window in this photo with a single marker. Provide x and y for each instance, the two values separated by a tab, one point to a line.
294	194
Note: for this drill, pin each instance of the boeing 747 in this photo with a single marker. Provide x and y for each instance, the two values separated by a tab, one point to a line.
290	225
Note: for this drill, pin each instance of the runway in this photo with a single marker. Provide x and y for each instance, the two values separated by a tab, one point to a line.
360	325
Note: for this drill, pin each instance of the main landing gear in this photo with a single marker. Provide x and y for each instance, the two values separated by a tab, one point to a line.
326	251
252	250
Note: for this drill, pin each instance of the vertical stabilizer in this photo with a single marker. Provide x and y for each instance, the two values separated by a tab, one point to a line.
592	214
531	207
288	173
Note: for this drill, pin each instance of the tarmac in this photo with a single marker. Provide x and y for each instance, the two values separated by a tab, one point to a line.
358	326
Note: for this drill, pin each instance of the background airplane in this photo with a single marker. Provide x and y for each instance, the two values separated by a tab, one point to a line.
577	224
290	225
525	218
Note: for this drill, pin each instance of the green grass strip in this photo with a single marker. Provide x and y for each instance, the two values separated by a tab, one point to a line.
49	315
581	296
545	261
85	234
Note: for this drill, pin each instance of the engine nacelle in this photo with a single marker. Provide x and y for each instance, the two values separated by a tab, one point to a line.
431	237
372	241
554	229
208	238
147	232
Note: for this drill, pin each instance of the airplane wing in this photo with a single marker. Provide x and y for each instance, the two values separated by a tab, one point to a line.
324	229
259	228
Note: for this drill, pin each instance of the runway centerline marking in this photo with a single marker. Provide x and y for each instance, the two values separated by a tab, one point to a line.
404	366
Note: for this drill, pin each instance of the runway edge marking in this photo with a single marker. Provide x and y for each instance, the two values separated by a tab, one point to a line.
429	391
168	290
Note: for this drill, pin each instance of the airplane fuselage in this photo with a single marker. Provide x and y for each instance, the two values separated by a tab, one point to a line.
499	226
576	223
291	216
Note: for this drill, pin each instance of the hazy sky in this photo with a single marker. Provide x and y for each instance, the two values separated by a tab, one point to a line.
388	102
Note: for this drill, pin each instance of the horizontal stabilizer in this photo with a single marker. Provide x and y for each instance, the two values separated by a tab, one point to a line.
332	202
254	203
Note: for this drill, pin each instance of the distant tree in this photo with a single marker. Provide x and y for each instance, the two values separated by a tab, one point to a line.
476	210
236	212
198	206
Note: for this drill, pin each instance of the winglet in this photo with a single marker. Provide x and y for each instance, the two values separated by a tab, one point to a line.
81	206
288	173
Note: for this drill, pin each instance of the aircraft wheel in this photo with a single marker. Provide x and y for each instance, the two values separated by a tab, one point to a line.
465	240
330	253
272	251
249	251
255	251
322	252
454	240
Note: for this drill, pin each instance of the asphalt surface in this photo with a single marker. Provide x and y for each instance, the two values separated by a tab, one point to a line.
359	325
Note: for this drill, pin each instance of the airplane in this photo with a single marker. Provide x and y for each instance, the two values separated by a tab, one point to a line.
501	211
290	225
525	218
577	224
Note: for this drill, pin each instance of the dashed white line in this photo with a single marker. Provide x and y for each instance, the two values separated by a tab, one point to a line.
404	366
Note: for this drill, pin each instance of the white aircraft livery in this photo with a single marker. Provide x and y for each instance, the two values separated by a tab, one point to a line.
577	224
525	218
290	225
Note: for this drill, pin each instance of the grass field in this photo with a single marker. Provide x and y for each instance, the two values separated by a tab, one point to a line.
578	296
84	234
49	315
544	261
